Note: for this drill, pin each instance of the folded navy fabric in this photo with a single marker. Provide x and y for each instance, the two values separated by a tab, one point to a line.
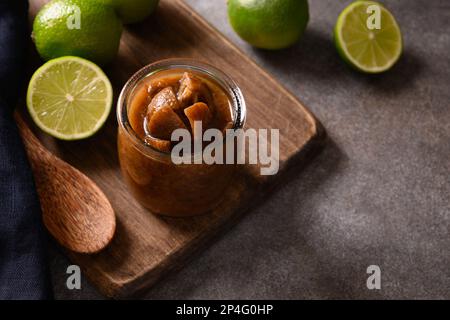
23	269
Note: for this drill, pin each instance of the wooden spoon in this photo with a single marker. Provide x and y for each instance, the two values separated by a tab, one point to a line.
74	209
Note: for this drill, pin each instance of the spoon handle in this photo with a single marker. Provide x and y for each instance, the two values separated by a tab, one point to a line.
34	148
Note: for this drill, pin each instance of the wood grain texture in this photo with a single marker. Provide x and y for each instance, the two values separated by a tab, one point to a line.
74	210
146	246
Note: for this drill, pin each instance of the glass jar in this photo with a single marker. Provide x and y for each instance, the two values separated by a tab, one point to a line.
158	183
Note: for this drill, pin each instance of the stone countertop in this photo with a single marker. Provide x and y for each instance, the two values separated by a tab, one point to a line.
378	194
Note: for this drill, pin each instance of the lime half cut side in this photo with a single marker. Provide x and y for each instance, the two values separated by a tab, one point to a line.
69	98
368	50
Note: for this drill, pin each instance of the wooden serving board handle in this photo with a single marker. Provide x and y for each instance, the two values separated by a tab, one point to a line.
146	246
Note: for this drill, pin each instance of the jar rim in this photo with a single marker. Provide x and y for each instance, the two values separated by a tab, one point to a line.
226	83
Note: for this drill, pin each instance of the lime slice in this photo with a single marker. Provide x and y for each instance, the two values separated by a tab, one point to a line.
371	51
69	98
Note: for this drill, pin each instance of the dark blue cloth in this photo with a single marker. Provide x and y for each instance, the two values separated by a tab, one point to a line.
23	271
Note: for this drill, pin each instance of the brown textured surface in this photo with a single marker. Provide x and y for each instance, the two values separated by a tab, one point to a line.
145	246
74	210
377	194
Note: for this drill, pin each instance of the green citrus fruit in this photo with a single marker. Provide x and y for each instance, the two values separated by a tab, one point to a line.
132	11
370	50
70	98
84	28
269	24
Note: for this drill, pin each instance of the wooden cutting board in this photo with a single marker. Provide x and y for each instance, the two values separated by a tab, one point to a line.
145	246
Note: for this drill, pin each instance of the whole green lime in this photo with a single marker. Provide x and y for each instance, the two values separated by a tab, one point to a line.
269	24
132	11
83	28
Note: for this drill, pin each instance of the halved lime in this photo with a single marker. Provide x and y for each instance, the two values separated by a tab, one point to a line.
368	50
69	98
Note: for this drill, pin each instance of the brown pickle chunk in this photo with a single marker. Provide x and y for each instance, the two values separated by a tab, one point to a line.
198	112
155	86
193	90
163	122
166	98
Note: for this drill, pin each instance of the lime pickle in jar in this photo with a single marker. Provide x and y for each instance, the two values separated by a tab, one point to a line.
159	99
